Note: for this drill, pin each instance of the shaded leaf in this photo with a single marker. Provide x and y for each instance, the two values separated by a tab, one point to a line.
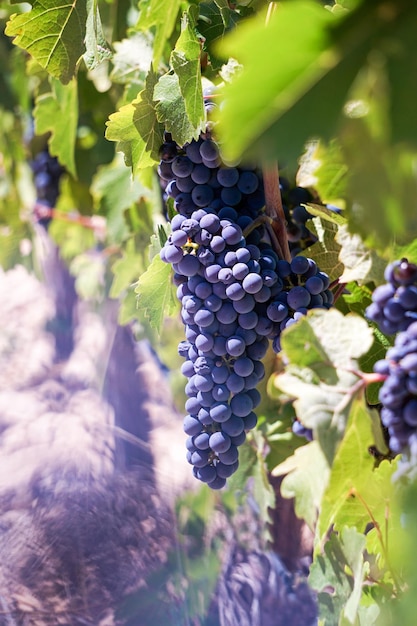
170	109
290	88
126	269
114	191
53	34
343	553
89	270
156	295
326	171
326	250
57	112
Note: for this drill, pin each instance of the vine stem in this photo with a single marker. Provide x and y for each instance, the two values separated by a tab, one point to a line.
274	208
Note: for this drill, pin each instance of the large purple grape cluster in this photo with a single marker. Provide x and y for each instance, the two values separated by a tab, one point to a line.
236	295
394	304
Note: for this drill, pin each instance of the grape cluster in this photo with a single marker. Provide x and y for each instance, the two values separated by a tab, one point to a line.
398	393
296	215
47	173
302	431
236	294
394	304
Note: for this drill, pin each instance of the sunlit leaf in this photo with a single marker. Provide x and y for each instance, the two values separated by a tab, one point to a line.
185	60
137	130
161	14
97	48
170	109
53	33
306	474
156	295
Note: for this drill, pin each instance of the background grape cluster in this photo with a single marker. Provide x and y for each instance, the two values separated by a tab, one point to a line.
394	310
47	174
236	296
394	304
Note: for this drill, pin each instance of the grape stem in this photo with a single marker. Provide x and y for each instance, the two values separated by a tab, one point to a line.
340	289
274	208
268	222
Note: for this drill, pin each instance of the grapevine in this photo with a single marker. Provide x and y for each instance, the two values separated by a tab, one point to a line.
245	197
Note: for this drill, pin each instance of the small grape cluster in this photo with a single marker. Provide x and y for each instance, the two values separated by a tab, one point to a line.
47	173
394	304
236	295
398	393
296	215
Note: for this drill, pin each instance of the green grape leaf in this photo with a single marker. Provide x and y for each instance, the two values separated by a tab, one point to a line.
379	496
97	48
89	269
327	172
126	270
212	21
263	491
342	569
381	177
325	251
171	111
53	34
72	239
132	59
342	339
185	61
292	87
162	14
248	458
136	129
56	112
114	191
322	350
305	474
409	252
352	469
361	263
145	119
282	442
156	295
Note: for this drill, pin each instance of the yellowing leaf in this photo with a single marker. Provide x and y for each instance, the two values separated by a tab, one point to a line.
53	34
